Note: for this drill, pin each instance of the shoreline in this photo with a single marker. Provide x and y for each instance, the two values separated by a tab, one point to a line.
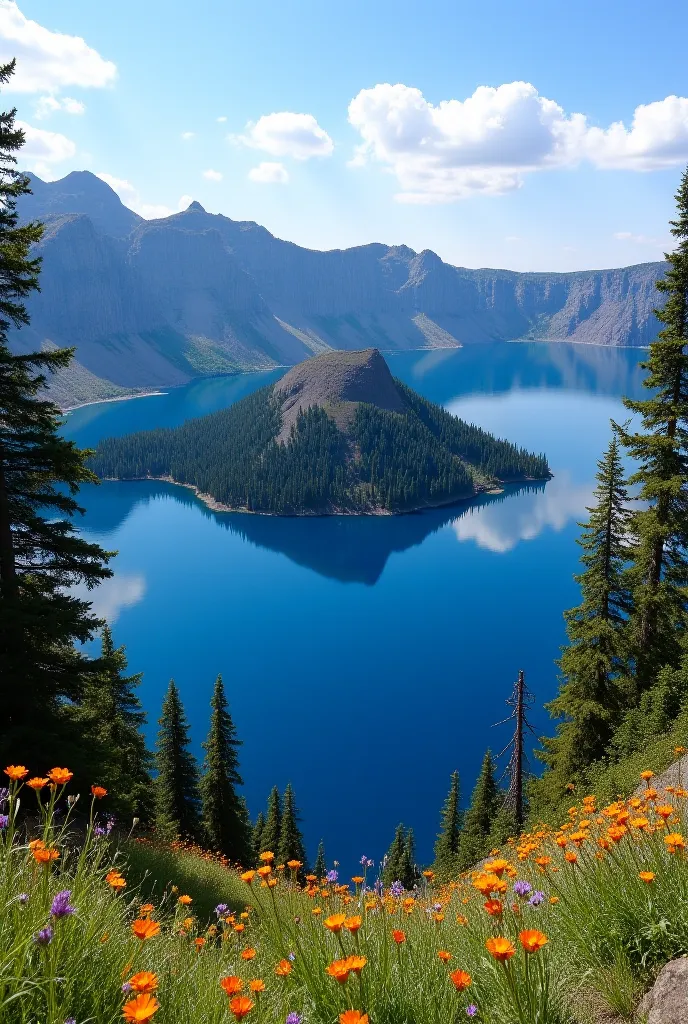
386	352
216	506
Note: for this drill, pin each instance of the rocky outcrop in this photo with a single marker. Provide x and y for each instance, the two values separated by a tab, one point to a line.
149	303
667	1000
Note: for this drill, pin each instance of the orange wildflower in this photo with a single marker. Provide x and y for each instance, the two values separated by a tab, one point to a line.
36	844
147	908
43	855
674	841
37	783
144	982
461	979
429	875
256	985
231	984
283	969
461	919
272	882
532	940
264	871
199	943
294	865
144	929
542	862
494	908
399	936
500	948
571	857
352	924
357	879
115	880
185	900
60	776
444	956
141	1008
248	954
356	963
646	876
647	775
16	772
239	927
240	1006
267	857
497	867
353	1017
665	811
338	970
248	876
335	922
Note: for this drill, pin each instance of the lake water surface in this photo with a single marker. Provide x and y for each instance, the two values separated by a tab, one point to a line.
365	658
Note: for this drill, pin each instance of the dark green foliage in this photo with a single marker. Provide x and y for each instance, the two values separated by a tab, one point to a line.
257	836
383	459
225	827
445	864
595	688
41	554
320	868
479	819
291	846
177	804
273	823
109	721
399	862
660	569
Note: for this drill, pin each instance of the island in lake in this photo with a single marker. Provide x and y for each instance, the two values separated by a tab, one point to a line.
337	434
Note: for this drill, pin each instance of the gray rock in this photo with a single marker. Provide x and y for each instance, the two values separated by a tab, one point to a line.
667	1000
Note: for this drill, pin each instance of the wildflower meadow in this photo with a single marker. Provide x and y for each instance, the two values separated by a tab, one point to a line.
560	925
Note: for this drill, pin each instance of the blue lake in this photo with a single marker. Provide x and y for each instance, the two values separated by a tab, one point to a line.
365	658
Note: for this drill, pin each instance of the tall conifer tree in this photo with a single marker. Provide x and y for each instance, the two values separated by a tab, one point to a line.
177	799
41	554
478	821
273	822
393	862
320	867
257	836
110	720
224	822
447	844
595	688
409	870
660	569
291	845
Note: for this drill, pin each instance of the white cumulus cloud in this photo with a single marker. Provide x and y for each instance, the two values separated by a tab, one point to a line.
286	134
488	142
43	148
269	174
188	135
130	196
48	61
47	105
212	175
221	120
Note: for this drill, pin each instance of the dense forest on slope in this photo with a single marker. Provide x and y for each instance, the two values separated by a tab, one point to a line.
382	461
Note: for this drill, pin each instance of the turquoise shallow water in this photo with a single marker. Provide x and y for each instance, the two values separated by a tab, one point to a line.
365	658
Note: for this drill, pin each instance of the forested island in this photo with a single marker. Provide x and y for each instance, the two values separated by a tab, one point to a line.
336	434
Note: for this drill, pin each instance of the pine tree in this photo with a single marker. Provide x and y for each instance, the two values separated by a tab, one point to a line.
395	860
257	836
409	871
41	554
291	845
176	797
320	868
224	820
447	845
595	687
478	821
660	568
110	720
273	823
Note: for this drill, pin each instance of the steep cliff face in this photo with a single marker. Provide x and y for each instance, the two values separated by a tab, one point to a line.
152	303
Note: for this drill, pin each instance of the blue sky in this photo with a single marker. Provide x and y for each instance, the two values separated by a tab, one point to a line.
534	136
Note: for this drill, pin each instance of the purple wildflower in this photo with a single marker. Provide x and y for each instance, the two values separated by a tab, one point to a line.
522	888
23	898
221	909
126	988
537	898
99	831
332	876
396	889
44	937
70	1020
61	906
293	1018
291	956
364	860
4	795
4	821
378	886
471	1010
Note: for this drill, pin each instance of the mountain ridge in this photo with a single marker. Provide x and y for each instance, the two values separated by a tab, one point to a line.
152	304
